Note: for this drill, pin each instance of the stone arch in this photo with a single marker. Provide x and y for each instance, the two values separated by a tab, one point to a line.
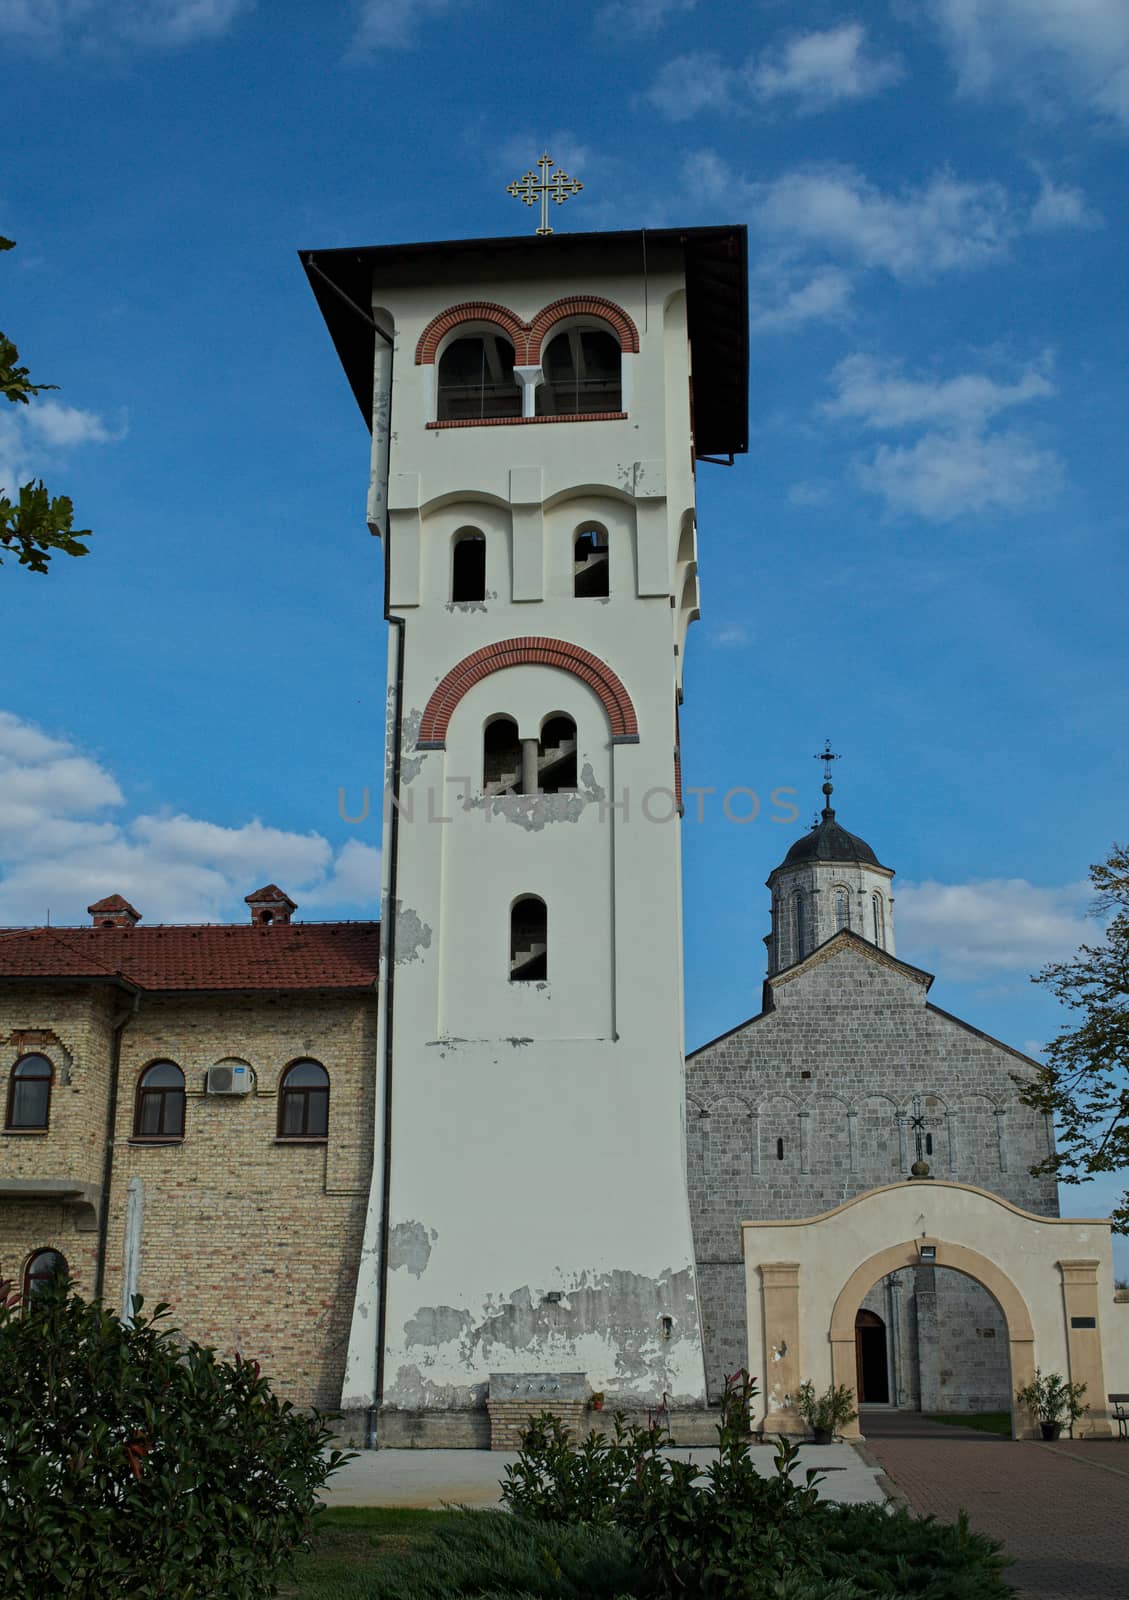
556	653
1020	1332
583	305
502	317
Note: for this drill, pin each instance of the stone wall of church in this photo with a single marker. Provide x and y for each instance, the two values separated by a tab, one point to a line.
813	1102
947	1342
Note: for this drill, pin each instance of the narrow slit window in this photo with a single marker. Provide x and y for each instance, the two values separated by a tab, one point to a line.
591	577
476	380
556	755
501	757
842	909
29	1092
799	922
780	1149
580	371
468	568
529	940
878	919
928	1144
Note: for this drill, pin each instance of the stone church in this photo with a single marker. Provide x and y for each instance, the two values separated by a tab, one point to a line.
845	1079
441	1170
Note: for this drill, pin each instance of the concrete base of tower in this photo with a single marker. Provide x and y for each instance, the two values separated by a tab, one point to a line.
399	1429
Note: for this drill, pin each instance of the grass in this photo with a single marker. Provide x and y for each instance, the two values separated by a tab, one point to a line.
349	1541
997	1422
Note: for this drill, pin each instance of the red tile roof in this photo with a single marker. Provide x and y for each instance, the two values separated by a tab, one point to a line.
296	955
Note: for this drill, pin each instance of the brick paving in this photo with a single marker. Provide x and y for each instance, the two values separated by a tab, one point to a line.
1061	1510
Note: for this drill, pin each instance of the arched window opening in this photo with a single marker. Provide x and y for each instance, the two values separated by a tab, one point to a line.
590	565
29	1092
303	1101
476	379
529	940
878	919
928	1144
501	757
468	567
799	921
556	755
159	1113
580	372
842	908
780	1149
42	1270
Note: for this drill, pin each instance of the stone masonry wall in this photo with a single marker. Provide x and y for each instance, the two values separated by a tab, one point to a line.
809	1104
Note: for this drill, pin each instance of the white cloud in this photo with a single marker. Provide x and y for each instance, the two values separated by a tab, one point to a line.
1042	51
992	926
62	846
814	70
778	306
693	83
730	637
640	16
161	24
30	434
1061	206
394	24
877	395
944	476
943	225
820	69
957	466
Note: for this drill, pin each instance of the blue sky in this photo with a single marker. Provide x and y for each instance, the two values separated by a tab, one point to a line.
922	555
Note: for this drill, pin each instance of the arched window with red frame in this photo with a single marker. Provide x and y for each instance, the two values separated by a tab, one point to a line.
303	1101
159	1112
29	1093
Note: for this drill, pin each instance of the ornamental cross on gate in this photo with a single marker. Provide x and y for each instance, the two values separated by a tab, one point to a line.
556	188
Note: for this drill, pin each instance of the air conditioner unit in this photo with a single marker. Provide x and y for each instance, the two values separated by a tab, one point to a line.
230	1078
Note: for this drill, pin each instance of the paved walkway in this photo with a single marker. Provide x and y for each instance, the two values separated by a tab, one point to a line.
1061	1510
429	1478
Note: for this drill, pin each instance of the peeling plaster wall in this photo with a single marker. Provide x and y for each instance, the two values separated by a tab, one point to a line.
537	1138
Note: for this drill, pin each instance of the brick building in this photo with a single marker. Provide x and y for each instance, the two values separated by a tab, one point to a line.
189	1117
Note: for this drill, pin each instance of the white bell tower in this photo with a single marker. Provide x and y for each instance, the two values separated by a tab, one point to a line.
537	405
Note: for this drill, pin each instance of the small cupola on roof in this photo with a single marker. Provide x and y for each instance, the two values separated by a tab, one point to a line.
114	912
829	880
270	904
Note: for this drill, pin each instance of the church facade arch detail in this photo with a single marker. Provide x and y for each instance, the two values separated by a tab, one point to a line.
526	337
530	651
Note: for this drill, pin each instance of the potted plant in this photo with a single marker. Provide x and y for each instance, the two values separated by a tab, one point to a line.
597	1401
1052	1401
825	1413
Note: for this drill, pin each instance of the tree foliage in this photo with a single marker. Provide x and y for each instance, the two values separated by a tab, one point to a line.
134	1462
1085	1082
35	524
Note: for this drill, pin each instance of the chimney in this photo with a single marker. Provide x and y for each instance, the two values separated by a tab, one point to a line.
269	905
114	912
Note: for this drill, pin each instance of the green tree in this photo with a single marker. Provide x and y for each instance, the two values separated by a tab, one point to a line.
1085	1082
35	524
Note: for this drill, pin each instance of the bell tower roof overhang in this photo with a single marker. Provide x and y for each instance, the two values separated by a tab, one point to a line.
716	268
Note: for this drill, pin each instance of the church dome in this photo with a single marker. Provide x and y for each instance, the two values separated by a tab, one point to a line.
829	841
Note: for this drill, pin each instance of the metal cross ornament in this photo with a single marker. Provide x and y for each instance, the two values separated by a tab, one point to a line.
529	189
827	756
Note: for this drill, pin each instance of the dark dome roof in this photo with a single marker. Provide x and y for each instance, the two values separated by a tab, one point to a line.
827	841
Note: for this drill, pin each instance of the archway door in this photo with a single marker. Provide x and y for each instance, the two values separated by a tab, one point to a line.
806	1280
872	1360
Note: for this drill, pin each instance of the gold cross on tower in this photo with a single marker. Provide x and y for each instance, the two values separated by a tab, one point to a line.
557	188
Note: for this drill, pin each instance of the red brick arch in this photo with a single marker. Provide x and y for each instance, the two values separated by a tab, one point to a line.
471	311
528	652
527	337
582	305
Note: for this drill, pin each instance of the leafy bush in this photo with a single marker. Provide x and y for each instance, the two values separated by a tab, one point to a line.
1052	1399
828	1412
136	1462
727	1533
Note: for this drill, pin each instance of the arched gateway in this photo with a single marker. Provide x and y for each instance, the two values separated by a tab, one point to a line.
1051	1277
